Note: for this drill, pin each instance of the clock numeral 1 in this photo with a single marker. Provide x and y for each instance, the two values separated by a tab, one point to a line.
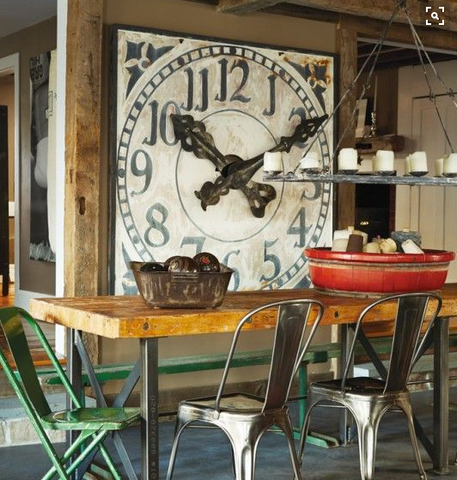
197	241
272	110
272	258
161	124
156	225
301	230
235	281
146	171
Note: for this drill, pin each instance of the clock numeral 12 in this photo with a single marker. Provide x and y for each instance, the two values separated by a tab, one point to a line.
157	225
270	257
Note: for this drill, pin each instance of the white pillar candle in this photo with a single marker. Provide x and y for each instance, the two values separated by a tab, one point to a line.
371	247
383	161
418	162
341	234
340	245
272	162
450	163
439	164
347	159
311	160
409	246
408	165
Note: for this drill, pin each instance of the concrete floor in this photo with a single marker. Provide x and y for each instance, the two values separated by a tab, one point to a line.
204	454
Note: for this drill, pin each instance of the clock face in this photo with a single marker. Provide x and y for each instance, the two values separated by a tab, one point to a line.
248	97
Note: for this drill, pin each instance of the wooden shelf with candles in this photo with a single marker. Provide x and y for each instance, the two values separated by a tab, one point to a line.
368	145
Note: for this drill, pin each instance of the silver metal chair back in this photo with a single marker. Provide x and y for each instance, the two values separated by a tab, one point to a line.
407	346
289	346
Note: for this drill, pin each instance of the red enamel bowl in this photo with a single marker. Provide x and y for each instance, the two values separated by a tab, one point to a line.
375	274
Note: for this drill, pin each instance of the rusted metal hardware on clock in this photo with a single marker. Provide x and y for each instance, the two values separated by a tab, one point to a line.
236	173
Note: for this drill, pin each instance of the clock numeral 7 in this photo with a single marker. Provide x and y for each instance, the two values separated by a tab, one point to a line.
272	258
197	241
156	226
235	281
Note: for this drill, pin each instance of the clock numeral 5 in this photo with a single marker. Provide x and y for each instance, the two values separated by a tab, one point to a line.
301	230
272	258
235	281
156	225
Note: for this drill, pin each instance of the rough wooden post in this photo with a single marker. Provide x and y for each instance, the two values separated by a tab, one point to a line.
346	47
82	154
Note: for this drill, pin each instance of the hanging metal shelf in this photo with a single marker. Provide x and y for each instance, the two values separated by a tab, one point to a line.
363	178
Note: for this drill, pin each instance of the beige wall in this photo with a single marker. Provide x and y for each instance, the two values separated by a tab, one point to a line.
7	98
33	276
194	18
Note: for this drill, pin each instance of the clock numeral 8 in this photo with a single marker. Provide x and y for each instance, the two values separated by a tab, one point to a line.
156	226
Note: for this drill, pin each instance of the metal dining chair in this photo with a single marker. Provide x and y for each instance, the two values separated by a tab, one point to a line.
243	417
94	424
368	399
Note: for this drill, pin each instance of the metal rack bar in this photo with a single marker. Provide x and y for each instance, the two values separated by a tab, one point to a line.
363	178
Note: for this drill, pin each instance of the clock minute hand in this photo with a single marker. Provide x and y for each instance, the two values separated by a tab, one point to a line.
194	138
238	174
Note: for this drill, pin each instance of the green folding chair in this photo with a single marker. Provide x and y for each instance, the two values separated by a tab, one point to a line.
94	424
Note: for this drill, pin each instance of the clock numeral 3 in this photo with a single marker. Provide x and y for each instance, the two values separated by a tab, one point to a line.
156	226
235	281
146	171
272	258
301	230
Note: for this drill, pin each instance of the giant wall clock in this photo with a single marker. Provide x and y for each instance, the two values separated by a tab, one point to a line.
246	98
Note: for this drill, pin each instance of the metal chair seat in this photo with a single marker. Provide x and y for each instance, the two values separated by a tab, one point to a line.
91	419
368	399
245	418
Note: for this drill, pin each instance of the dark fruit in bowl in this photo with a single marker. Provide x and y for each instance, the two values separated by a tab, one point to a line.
152	267
183	264
169	260
207	262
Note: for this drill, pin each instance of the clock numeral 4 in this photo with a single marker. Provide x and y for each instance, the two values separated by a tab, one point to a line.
271	258
301	230
156	226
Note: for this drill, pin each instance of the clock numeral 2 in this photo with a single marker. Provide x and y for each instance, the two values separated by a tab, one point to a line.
270	257
301	230
156	225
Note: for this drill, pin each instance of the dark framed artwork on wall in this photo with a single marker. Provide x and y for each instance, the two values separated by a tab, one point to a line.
245	97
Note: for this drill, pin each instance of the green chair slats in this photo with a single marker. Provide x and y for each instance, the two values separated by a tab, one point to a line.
94	424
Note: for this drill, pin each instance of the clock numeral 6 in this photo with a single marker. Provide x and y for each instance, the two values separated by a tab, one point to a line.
301	230
146	171
150	235
272	258
235	281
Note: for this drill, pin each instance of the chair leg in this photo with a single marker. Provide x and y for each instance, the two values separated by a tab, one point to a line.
407	409
180	426
286	427
304	433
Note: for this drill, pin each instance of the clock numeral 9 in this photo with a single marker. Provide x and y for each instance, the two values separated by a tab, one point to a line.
150	235
270	257
146	171
235	281
301	230
163	124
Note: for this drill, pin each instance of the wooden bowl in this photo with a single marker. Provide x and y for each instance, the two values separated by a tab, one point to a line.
377	274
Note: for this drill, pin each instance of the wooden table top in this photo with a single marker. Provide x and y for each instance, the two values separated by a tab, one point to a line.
129	317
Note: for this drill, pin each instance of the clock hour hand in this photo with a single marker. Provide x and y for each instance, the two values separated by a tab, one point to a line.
194	138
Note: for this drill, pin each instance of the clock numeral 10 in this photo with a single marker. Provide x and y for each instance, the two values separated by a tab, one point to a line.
159	125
